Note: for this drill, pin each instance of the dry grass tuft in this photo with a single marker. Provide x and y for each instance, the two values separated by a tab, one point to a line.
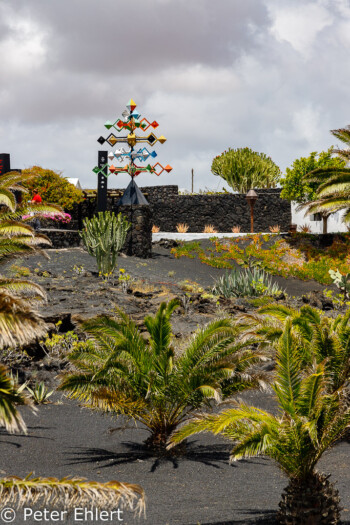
209	228
181	228
236	229
305	228
275	229
142	286
155	229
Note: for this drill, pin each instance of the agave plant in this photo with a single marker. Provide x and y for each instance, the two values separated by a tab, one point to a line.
40	393
309	421
147	381
250	282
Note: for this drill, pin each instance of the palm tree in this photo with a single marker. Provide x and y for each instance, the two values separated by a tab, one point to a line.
16	236
19	323
67	492
333	193
309	421
317	338
147	381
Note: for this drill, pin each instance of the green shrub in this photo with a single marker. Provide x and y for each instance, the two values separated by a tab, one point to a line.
52	187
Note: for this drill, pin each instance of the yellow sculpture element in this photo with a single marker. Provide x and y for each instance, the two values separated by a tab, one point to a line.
112	140
131	140
162	139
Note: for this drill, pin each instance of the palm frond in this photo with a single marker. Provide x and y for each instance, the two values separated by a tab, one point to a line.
36	240
19	324
287	385
11	248
14	228
10	397
7	198
23	288
70	492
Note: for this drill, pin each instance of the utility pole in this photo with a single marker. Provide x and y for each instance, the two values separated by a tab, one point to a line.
192	181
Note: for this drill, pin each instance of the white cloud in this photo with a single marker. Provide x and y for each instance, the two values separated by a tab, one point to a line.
299	24
23	49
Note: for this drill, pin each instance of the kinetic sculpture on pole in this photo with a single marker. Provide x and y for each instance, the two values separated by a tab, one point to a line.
130	122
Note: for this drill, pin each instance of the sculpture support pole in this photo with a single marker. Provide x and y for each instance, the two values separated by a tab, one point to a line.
102	182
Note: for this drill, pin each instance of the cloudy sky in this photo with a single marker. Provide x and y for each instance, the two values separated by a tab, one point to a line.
273	75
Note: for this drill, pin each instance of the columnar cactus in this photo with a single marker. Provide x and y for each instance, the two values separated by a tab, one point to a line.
104	236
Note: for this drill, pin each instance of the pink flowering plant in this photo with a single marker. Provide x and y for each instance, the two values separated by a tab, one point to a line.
63	218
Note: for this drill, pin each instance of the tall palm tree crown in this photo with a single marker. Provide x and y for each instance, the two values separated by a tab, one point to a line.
333	193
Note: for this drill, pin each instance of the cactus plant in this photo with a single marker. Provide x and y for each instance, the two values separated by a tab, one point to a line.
104	236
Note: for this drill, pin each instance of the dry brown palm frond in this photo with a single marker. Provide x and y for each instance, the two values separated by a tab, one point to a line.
39	238
155	229
236	229
70	492
182	228
209	228
19	324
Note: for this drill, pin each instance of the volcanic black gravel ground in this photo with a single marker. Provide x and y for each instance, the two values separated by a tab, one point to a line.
199	487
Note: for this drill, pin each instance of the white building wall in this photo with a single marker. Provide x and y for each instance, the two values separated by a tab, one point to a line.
335	223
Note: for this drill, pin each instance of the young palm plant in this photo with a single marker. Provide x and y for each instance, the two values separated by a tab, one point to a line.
147	381
317	338
309	421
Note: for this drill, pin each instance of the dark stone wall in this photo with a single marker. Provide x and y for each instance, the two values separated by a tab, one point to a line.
139	238
223	211
62	238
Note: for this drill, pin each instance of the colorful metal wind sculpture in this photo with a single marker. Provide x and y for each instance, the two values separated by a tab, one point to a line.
130	122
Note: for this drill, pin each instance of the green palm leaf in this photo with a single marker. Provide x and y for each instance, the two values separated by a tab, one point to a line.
10	418
121	372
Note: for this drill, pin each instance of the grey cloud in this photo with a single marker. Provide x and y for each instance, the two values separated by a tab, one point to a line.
110	35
